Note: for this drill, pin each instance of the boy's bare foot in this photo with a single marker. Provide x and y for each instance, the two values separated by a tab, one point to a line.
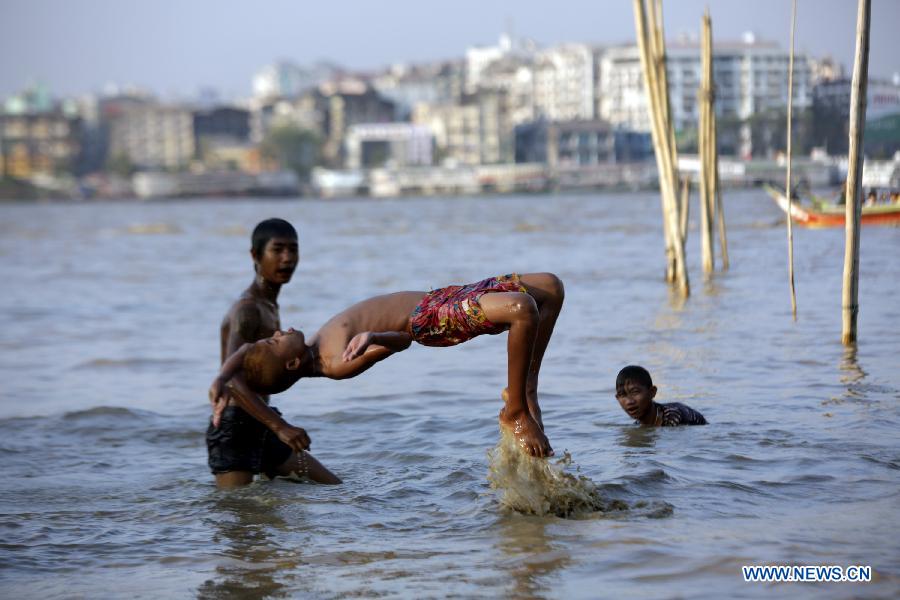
533	407
528	433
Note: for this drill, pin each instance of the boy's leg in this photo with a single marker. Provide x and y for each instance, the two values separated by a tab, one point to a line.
548	293
229	447
305	465
232	479
520	312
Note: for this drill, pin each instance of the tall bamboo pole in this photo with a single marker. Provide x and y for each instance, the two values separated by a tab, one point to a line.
716	194
685	208
787	183
662	84
706	149
720	209
663	138
649	36
850	297
656	23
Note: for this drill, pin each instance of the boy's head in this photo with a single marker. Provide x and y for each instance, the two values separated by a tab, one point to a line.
275	250
272	365
635	390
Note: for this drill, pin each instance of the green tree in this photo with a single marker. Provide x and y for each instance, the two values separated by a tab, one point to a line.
120	164
293	148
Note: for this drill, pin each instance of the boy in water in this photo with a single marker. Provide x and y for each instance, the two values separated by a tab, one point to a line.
238	443
352	341
635	392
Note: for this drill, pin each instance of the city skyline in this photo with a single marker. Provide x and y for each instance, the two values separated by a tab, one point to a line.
76	48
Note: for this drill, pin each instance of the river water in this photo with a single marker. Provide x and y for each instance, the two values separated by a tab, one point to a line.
109	325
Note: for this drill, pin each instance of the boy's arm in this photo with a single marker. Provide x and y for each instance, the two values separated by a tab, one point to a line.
366	349
295	437
229	368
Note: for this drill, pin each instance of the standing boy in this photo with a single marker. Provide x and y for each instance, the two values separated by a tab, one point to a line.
240	445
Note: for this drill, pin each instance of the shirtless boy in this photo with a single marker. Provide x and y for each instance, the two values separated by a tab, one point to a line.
239	445
352	341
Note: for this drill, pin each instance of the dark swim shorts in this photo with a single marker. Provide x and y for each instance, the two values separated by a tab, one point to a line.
241	443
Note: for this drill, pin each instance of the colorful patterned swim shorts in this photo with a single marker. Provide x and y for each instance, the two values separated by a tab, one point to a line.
451	315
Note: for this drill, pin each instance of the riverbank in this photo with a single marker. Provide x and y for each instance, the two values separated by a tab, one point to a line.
456	180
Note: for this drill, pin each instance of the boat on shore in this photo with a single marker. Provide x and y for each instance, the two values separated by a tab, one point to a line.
820	212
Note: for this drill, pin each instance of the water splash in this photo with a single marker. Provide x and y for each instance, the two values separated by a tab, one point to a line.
536	486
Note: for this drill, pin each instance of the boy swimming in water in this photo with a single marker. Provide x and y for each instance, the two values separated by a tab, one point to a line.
352	341
635	392
239	445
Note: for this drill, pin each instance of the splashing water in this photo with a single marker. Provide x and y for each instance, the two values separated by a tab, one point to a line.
537	486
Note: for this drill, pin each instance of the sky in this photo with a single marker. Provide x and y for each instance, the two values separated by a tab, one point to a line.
175	48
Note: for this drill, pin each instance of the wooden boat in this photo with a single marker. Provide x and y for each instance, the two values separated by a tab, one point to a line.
822	213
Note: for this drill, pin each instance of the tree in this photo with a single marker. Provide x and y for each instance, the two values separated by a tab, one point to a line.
293	148
120	164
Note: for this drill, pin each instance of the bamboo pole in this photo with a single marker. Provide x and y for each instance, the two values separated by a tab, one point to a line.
685	208
656	21
716	194
706	149
658	46
787	183
648	37
648	46
850	296
720	208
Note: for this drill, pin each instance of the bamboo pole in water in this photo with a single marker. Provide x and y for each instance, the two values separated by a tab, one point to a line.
850	296
720	209
787	183
706	149
685	208
716	194
658	46
652	54
647	45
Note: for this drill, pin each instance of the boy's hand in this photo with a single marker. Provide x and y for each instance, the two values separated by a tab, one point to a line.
218	400
295	437
357	346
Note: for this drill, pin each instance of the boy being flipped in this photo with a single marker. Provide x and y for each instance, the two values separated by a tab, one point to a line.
355	339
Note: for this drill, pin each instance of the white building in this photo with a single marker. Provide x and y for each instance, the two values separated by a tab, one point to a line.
555	83
285	79
388	144
750	77
564	82
479	58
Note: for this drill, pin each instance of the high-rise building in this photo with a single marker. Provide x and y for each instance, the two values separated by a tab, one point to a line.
751	77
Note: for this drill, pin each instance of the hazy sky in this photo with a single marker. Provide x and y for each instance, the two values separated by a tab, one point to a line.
176	47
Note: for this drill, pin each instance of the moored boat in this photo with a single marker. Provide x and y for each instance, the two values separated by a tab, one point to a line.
822	213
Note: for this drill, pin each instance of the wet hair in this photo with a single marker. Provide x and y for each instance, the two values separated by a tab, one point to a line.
268	229
634	373
265	373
